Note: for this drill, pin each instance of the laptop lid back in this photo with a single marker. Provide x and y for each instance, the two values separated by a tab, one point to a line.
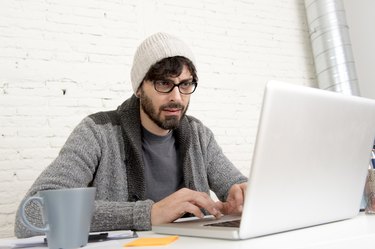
310	160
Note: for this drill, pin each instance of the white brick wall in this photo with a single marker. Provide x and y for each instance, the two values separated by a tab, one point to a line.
62	60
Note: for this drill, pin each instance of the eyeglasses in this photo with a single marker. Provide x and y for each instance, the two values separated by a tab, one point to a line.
166	86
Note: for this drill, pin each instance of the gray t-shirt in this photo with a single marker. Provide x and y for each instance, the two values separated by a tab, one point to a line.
163	169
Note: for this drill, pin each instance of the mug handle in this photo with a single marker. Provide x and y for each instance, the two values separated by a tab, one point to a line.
24	218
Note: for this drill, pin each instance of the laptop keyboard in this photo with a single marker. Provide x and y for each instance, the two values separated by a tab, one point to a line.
231	223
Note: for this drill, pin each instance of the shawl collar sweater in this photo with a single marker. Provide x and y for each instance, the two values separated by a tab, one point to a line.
105	151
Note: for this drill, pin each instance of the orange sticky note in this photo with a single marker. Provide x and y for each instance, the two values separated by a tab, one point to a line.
152	241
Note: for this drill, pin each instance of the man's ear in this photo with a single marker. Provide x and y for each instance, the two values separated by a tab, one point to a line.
138	92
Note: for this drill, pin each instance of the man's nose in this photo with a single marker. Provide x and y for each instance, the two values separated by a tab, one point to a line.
175	94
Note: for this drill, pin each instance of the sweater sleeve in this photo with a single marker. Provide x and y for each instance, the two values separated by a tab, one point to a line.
75	167
221	172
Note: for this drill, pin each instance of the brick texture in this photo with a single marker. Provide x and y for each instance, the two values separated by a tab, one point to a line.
62	60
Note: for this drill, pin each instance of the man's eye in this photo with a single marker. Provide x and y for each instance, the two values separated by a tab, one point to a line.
164	83
186	84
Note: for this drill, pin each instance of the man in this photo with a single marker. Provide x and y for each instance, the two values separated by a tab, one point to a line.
149	161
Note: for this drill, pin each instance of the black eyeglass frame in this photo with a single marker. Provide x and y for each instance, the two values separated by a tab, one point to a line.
195	84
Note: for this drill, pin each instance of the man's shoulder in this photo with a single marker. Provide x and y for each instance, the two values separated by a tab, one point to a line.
113	117
193	120
196	124
106	117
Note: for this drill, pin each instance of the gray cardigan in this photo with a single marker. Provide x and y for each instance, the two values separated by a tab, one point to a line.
105	151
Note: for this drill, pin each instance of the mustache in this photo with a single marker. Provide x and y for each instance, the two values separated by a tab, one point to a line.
172	105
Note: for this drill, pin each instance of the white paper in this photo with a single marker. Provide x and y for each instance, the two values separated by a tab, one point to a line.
35	241
38	241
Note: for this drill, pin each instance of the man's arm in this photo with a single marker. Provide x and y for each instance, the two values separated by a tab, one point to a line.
228	183
76	166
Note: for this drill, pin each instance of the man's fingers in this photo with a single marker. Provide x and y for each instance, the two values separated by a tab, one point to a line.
183	201
203	200
188	207
235	199
222	206
209	205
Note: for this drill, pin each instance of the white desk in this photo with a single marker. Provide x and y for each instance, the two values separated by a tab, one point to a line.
358	232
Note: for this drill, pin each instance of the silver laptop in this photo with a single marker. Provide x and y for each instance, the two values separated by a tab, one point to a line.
309	164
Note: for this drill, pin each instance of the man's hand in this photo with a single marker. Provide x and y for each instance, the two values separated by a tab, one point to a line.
235	200
182	201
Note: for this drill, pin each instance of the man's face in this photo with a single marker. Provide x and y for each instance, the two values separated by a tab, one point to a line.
163	111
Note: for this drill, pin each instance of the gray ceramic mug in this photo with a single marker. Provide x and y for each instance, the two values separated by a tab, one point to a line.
67	215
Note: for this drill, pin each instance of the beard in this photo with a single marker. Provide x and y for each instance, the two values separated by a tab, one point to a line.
169	122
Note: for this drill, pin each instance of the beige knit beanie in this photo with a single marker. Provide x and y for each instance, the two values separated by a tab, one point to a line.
153	49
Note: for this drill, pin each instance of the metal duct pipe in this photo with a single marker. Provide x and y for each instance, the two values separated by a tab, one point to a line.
331	46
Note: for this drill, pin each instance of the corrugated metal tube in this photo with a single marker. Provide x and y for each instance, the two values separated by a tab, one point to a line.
331	46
